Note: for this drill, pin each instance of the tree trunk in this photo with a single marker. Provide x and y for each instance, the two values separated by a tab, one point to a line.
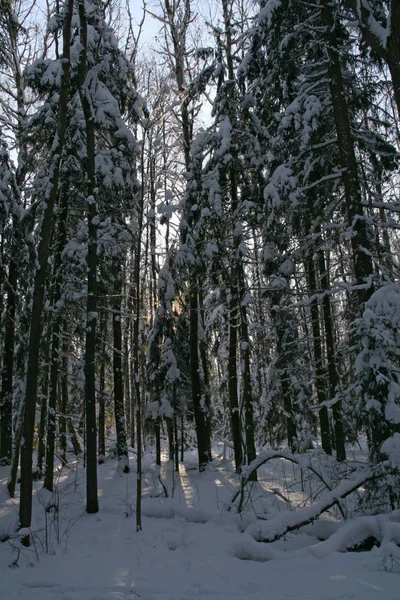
171	440
92	504
175	418
360	242
333	376
157	433
51	414
206	380
320	373
74	438
127	386
6	403
246	376
122	448
198	407
182	438
283	368
12	482
136	372
130	358
7	375
178	30
62	419
25	507
101	449
44	401
234	410
55	389
389	51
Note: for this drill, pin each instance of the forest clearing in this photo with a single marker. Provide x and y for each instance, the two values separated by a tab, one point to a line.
193	544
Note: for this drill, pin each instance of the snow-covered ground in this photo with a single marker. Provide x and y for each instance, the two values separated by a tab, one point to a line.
189	545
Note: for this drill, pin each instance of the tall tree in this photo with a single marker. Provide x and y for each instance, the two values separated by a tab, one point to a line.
177	16
379	24
25	508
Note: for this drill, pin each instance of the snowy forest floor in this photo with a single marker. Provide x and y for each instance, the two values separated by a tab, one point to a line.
191	546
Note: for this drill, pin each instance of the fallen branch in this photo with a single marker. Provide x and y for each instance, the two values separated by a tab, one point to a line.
303	461
163	486
287	521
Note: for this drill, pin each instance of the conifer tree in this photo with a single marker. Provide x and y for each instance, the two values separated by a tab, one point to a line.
50	194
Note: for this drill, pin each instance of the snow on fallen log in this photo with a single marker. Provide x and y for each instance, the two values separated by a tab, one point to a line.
168	509
286	521
379	530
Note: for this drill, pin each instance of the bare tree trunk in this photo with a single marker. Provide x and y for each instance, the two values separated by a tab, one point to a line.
206	379
246	375
171	440
320	373
127	386
92	504
234	410
136	374
333	377
283	367
44	401
122	448
175	418
101	451
198	408
157	433
130	357
52	406
74	438
64	398
6	403
12	482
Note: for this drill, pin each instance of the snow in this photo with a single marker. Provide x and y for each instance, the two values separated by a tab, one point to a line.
267	12
391	447
191	547
282	180
381	33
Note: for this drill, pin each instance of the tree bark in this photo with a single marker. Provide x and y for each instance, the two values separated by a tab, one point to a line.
333	377
74	438
41	454
320	372
92	504
12	482
101	448
6	403
360	242
199	407
122	448
178	23
55	344
7	375
25	507
136	371
246	375
234	411
63	406
388	49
